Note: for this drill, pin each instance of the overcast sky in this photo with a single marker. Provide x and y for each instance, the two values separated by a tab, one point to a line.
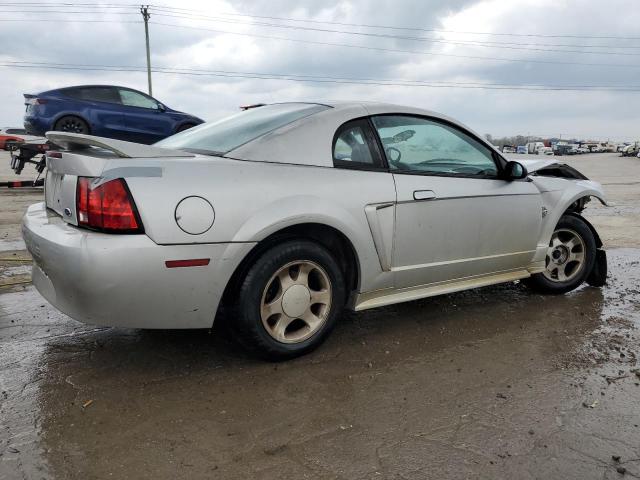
238	44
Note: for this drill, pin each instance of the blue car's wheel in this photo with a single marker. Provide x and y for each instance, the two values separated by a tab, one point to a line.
72	124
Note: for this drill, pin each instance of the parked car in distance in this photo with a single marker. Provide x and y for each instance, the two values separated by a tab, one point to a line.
630	150
508	149
106	111
620	147
532	147
522	149
9	135
544	151
387	204
563	150
583	150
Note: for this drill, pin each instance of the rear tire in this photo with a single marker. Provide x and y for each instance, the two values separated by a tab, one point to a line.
289	300
72	124
570	258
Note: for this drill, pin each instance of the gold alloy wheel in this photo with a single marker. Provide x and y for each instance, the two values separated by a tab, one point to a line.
565	256
296	301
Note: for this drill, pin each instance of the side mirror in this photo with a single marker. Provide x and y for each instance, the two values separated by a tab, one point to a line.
515	171
161	107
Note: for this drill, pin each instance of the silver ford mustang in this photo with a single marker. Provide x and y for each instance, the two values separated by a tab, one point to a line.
287	213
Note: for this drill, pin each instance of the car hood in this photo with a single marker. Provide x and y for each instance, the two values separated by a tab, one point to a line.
548	167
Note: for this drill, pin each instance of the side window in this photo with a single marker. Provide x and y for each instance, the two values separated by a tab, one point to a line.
354	146
136	99
415	144
73	92
99	94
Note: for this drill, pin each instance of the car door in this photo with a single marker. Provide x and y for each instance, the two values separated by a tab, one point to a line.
145	120
101	107
455	217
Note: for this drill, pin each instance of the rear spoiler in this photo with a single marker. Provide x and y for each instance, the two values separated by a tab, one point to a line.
77	141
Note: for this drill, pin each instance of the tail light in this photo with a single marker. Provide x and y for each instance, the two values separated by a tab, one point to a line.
108	207
36	101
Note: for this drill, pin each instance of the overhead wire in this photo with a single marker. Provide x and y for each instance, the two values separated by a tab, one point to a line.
170	8
320	79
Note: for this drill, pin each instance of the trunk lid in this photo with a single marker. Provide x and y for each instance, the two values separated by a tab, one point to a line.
87	156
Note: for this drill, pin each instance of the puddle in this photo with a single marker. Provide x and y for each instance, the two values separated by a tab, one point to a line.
486	383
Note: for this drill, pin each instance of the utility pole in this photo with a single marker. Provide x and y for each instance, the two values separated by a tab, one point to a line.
144	10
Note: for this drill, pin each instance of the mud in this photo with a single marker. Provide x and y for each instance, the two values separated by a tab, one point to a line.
491	383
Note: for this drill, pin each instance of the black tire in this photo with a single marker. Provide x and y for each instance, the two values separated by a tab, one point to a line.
10	145
72	124
541	283
184	127
246	318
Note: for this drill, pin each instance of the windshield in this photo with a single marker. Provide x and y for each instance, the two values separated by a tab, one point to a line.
220	137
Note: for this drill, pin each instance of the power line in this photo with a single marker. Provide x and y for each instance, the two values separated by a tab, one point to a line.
432	30
393	50
324	76
319	79
354	46
326	22
67	12
474	43
73	21
395	37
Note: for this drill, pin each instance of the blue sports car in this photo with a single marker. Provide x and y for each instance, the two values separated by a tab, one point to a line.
105	111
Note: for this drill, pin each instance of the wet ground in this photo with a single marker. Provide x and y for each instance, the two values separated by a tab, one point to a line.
491	383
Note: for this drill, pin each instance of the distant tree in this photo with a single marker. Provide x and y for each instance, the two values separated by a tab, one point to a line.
514	140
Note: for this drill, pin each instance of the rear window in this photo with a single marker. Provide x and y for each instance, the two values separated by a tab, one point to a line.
220	137
94	94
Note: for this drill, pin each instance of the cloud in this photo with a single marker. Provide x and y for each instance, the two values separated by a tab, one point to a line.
501	112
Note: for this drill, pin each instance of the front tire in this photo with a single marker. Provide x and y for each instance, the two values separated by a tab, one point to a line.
570	258
289	300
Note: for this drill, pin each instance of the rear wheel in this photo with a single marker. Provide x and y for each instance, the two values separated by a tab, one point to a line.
570	257
289	300
70	123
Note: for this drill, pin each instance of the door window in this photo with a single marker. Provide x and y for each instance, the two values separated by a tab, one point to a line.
353	146
137	99
419	145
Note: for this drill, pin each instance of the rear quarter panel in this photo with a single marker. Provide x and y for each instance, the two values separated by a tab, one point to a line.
252	200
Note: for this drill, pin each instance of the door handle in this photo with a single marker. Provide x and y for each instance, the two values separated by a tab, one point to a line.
424	195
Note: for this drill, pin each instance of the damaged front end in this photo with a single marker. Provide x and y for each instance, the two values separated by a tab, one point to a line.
568	192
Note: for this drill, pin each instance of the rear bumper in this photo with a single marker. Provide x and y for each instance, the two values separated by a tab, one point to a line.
122	280
35	125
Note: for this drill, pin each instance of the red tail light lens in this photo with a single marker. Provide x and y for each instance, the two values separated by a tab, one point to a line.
107	207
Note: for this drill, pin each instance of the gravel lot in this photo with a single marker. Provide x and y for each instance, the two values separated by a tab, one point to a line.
491	383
